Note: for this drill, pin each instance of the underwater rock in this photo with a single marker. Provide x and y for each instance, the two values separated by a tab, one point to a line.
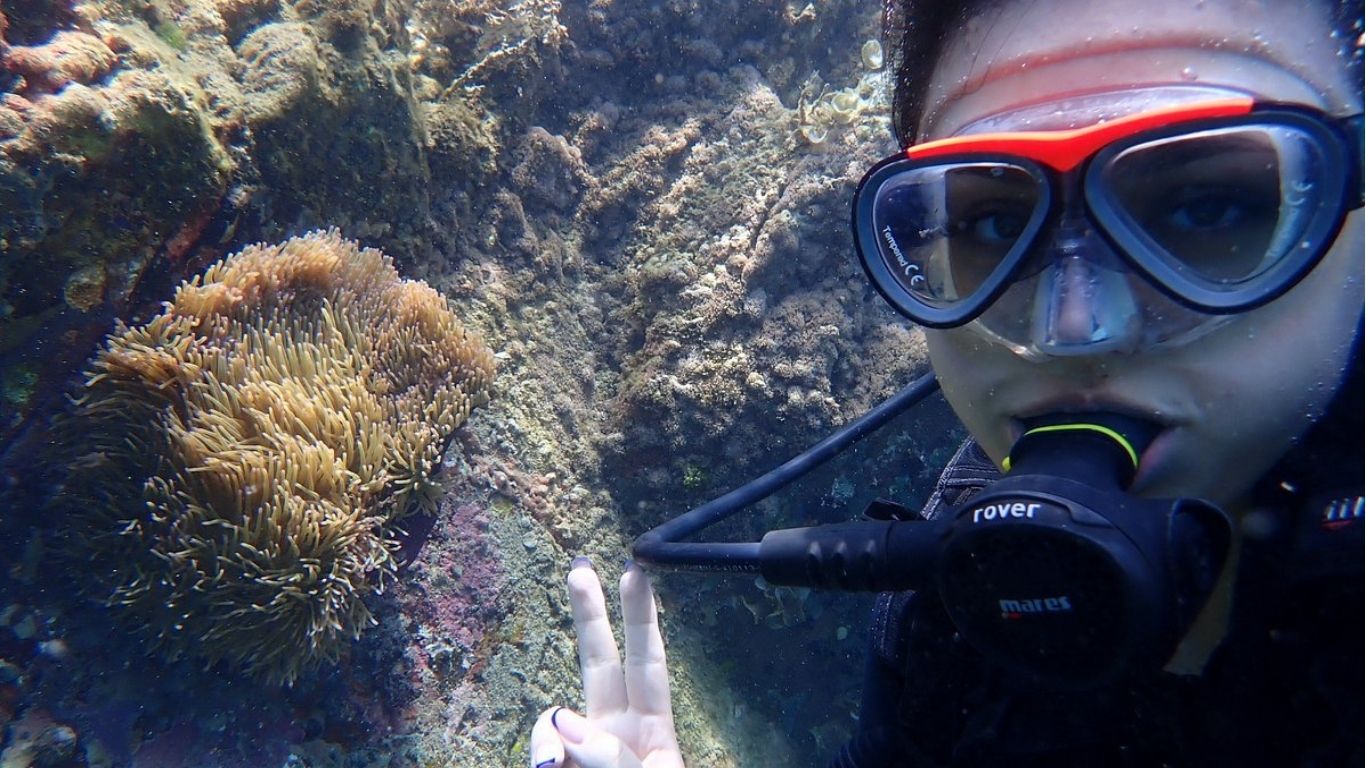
30	22
70	57
241	461
550	171
617	194
72	258
463	143
241	16
475	45
37	740
139	142
281	67
752	313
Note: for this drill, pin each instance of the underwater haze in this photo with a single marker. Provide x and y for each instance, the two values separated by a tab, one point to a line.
332	330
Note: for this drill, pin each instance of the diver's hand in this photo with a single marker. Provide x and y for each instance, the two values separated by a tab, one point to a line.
629	721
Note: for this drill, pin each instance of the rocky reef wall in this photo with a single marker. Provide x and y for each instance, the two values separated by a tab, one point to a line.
643	204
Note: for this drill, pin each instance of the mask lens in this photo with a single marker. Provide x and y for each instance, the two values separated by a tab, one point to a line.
948	233
1220	208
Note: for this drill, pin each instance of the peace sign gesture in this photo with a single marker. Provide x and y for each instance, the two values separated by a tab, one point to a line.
629	721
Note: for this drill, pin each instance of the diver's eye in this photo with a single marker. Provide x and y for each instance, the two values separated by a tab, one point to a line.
1205	211
1003	226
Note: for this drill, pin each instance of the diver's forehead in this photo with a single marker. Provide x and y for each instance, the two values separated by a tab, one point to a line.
1018	54
1081	110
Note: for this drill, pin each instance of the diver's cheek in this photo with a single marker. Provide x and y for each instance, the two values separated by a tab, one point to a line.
1258	383
1186	462
969	370
1227	416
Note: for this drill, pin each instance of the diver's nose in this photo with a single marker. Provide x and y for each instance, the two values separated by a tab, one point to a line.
1083	303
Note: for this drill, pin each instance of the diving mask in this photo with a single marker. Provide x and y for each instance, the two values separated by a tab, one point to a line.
1131	233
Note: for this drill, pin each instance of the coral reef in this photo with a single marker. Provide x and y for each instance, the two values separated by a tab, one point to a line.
677	307
473	43
748	312
201	125
821	112
623	197
245	456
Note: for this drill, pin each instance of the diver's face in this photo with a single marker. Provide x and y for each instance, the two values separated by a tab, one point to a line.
1231	401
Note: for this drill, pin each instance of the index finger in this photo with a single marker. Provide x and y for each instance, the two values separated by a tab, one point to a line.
647	675
604	690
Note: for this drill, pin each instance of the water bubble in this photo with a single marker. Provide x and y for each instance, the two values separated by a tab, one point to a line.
1189	73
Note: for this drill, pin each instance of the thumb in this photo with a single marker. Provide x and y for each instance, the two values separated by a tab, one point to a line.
589	746
547	749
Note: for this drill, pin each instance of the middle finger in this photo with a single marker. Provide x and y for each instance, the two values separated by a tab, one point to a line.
647	676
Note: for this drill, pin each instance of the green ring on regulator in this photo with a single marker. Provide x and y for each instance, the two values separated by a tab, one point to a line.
1110	433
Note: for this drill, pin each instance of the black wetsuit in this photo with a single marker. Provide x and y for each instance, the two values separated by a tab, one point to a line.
1285	688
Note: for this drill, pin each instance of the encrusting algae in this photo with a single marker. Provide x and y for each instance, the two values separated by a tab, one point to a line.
241	461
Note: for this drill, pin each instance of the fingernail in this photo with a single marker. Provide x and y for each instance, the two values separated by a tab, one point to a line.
581	561
570	725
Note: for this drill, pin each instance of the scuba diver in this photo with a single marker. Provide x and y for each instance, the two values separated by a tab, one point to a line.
1133	234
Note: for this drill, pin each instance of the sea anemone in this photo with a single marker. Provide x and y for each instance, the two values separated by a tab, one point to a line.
239	463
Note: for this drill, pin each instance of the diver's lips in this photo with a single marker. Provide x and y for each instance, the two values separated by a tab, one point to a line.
1088	405
1154	458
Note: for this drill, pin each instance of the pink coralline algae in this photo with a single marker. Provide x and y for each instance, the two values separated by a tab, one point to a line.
462	577
69	57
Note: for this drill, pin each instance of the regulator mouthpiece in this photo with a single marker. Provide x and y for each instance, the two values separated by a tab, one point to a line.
1100	448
